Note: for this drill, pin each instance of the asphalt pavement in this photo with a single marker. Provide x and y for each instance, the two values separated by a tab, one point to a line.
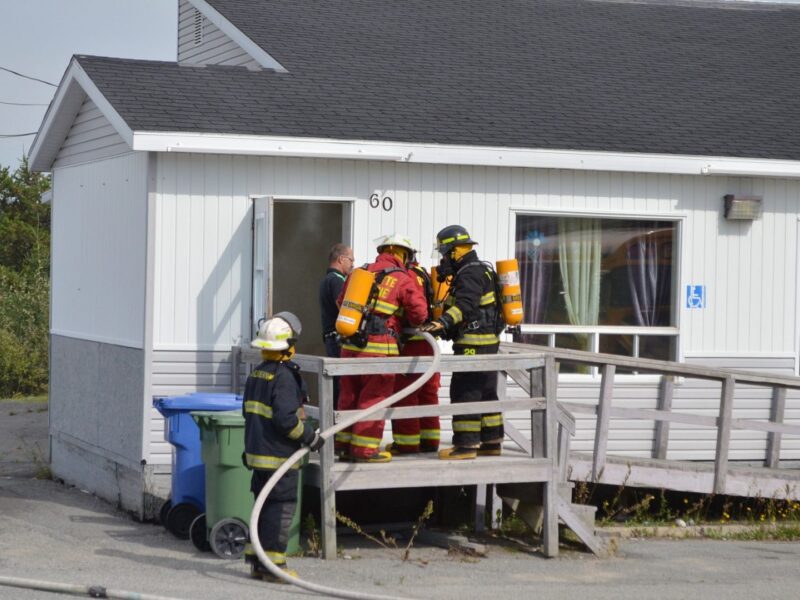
52	532
57	533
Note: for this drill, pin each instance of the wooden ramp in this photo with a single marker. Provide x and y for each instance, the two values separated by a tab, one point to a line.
695	477
721	476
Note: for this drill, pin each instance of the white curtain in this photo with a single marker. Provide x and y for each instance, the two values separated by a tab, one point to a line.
579	254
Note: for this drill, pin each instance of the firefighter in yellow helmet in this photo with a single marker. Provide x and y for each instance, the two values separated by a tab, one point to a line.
275	429
472	320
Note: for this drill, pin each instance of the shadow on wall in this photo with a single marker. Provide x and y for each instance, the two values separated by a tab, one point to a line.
223	303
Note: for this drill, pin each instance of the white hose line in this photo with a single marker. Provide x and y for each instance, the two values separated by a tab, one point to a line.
297	456
92	591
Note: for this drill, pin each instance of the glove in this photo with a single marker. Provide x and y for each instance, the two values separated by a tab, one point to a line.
316	442
432	327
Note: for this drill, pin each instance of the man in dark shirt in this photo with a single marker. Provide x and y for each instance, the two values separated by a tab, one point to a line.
340	263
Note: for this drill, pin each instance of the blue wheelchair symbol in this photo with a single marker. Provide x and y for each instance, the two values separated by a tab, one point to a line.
695	296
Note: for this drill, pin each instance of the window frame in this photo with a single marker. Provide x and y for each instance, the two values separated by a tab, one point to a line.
594	332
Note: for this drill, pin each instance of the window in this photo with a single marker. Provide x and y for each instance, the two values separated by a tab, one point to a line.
598	284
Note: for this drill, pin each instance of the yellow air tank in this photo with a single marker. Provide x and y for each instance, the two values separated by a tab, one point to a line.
510	291
440	289
356	296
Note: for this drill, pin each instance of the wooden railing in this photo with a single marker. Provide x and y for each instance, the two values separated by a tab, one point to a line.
663	414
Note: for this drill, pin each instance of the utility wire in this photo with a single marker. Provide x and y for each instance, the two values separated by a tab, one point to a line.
15	135
22	103
27	76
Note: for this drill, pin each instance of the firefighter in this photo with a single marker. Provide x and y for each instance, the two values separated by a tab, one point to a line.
471	319
274	429
396	295
419	434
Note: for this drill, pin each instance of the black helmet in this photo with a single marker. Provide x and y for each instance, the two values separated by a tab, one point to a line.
452	236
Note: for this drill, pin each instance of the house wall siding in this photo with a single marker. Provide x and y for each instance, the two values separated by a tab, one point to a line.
215	47
99	236
203	259
92	137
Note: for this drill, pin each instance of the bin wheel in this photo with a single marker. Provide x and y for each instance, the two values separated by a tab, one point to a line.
198	533
162	513
179	519
228	538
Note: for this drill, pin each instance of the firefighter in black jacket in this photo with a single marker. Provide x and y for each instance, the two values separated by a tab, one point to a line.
274	429
471	319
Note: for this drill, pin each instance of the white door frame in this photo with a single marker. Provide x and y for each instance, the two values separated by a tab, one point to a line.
348	217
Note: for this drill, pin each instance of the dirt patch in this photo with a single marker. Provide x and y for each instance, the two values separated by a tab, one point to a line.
24	445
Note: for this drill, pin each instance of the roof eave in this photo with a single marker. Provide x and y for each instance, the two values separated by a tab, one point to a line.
215	143
73	89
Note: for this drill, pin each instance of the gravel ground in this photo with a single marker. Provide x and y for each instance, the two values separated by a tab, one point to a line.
53	532
23	437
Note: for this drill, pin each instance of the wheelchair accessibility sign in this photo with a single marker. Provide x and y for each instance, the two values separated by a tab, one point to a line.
695	296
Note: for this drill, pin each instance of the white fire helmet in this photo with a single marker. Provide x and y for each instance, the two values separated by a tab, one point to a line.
279	332
395	239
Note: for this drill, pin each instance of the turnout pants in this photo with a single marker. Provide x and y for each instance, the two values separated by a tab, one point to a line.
357	392
469	431
413	435
276	516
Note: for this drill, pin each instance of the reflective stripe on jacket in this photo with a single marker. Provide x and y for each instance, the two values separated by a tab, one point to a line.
273	415
471	309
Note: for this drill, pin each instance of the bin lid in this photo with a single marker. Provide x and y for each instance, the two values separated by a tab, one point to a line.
199	401
230	418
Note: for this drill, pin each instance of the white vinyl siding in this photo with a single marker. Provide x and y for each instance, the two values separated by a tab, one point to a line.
98	250
182	372
214	47
91	137
203	260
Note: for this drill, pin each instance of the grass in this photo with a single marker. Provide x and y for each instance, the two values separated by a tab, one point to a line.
785	532
42	399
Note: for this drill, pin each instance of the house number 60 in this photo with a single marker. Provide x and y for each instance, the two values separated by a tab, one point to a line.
386	202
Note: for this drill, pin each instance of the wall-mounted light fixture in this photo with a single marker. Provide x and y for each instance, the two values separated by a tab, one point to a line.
742	208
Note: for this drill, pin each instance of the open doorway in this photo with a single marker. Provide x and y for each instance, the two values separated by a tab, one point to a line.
291	240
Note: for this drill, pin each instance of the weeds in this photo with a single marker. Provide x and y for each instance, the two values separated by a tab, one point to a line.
386	541
43	471
313	541
426	514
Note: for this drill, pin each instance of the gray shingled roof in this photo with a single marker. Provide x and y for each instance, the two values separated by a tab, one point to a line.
568	74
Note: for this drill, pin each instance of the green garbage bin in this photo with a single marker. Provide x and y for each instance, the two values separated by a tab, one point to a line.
225	525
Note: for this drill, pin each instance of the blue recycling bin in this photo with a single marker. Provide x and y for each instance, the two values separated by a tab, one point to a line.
187	501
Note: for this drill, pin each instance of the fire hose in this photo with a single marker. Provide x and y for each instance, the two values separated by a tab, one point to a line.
297	456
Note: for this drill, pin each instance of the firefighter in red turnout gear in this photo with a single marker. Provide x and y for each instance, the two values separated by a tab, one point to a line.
397	294
420	434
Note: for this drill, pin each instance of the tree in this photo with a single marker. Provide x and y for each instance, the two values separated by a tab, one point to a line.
24	281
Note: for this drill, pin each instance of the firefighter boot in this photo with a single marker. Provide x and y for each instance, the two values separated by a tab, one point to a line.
375	457
270	578
490	449
457	453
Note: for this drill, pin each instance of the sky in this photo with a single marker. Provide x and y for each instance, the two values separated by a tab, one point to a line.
38	37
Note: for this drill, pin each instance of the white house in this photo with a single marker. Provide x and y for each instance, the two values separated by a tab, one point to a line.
594	140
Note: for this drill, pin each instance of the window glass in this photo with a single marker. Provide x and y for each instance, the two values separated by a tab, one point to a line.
585	271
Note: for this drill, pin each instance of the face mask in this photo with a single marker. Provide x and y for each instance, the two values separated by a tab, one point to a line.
445	269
